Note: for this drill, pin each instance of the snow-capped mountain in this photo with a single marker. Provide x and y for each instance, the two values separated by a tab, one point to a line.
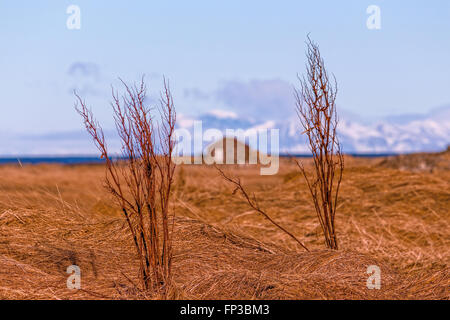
399	134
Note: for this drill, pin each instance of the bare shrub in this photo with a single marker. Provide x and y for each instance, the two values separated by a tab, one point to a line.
316	110
141	180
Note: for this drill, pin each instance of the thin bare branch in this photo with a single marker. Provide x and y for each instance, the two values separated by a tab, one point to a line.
253	203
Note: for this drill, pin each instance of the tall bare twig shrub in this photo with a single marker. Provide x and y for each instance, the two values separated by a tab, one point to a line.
142	178
316	109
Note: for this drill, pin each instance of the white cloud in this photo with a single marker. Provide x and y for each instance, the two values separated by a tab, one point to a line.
223	114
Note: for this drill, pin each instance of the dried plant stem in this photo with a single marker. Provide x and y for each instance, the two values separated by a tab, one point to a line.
253	203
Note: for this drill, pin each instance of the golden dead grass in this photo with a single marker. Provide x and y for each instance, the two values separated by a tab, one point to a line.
54	216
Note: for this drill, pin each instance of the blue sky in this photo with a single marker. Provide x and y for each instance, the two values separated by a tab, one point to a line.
218	55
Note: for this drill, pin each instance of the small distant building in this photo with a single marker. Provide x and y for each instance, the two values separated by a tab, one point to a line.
230	151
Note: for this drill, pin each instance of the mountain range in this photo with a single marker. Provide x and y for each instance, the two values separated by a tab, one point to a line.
396	134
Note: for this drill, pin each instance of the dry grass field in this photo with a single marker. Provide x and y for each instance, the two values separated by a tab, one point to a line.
390	215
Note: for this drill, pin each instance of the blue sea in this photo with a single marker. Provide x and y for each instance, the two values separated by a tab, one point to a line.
51	159
71	160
